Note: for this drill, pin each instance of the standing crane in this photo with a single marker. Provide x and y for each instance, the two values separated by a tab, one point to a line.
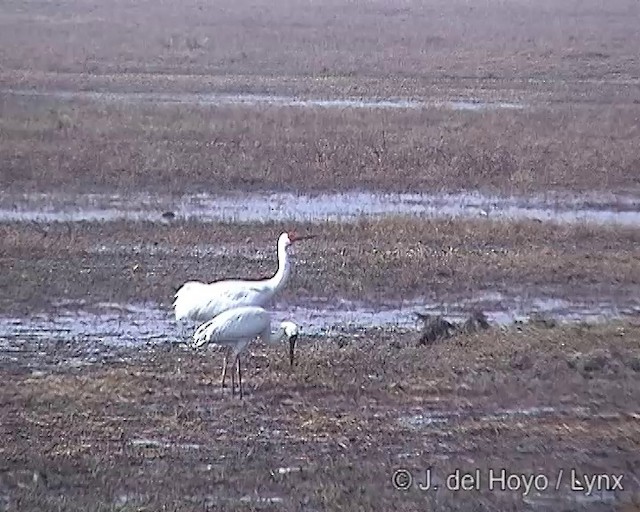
237	327
200	301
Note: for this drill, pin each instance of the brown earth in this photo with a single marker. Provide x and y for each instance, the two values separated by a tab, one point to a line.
371	261
147	429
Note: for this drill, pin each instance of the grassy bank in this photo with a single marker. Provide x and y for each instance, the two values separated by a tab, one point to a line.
398	258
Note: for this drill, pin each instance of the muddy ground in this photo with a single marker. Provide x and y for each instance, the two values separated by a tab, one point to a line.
148	429
367	261
546	98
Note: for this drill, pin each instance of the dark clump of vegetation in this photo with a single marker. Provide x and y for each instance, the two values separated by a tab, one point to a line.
436	328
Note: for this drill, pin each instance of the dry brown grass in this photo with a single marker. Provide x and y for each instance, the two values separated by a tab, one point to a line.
46	145
398	258
551	40
524	51
338	415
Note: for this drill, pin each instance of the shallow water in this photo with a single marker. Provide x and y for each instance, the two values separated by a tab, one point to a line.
263	207
254	100
155	443
114	324
428	418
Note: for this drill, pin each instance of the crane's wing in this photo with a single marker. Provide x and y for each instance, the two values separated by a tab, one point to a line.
187	299
233	326
199	301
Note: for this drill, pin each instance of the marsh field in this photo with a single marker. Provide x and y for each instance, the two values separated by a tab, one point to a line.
450	157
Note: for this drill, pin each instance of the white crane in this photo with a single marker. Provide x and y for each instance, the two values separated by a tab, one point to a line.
200	301
236	328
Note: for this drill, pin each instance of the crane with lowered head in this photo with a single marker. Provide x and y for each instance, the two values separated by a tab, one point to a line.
236	328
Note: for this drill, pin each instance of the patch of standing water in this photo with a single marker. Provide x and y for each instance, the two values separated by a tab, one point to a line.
427	419
154	443
256	100
264	207
135	325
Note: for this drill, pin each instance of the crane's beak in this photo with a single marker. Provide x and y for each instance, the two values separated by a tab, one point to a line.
292	348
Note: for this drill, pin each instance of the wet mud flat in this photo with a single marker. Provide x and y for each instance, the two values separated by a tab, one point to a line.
104	409
260	100
147	427
562	208
127	325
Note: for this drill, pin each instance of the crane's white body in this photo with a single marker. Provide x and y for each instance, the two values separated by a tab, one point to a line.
200	301
236	328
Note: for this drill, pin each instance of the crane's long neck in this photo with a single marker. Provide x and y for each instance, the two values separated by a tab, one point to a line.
278	281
